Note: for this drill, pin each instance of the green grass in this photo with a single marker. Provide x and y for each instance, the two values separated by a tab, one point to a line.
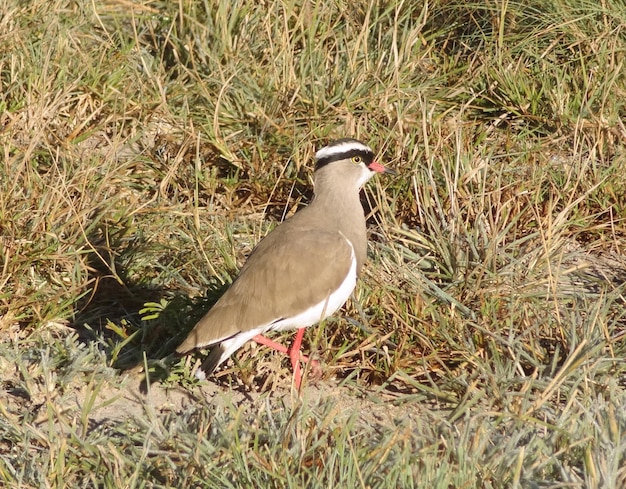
146	148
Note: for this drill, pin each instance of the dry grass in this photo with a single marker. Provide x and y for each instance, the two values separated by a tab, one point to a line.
147	147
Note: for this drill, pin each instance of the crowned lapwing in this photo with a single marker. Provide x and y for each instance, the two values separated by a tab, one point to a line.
302	271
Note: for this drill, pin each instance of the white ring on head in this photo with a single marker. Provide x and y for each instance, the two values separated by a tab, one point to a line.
341	148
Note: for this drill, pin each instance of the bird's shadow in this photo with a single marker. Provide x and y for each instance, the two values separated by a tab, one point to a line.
134	323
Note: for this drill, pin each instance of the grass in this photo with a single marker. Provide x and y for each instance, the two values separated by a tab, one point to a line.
147	147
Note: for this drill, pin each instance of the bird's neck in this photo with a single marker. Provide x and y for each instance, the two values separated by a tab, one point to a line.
341	209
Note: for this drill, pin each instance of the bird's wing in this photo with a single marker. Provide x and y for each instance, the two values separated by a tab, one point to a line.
288	272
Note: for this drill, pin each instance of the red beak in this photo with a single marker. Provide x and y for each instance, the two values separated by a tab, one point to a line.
378	168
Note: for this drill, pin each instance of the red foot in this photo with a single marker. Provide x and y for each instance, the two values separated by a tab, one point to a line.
294	354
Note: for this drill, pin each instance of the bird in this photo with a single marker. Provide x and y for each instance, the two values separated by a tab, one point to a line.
302	272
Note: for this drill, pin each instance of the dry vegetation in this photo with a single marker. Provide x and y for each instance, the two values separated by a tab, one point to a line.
147	146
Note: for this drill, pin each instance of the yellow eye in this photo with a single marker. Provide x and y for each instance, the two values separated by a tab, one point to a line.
356	160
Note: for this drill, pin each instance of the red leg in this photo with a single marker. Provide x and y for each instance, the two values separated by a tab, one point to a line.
294	355
293	351
262	340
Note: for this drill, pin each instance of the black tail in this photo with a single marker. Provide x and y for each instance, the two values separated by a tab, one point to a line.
210	362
